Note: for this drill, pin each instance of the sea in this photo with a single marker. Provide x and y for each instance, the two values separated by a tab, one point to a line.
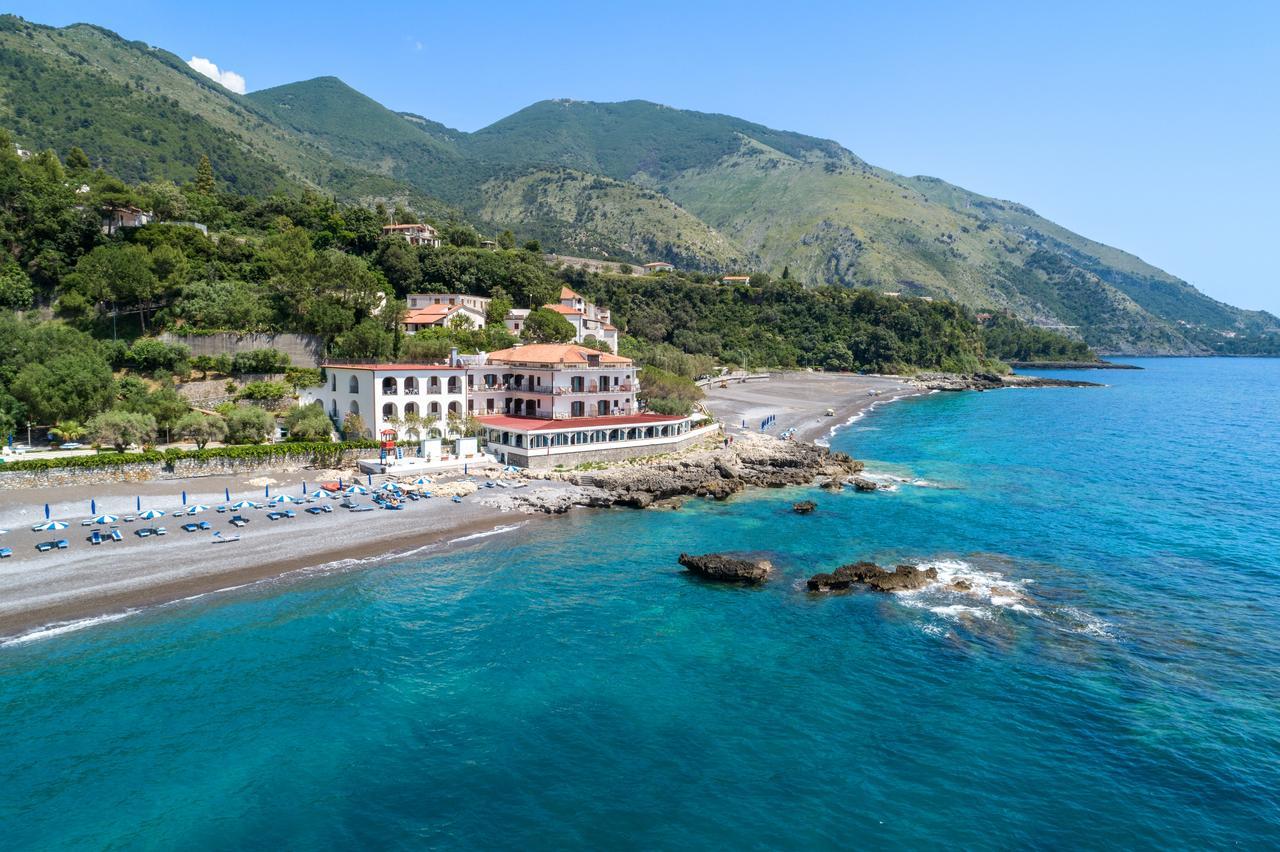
1098	665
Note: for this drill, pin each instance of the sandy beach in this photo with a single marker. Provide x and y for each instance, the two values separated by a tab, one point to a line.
800	401
44	592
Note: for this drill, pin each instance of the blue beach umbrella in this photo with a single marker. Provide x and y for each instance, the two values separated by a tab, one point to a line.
369	477
242	504
49	525
151	514
268	490
93	507
226	494
46	511
197	509
356	489
304	489
184	498
105	519
137	507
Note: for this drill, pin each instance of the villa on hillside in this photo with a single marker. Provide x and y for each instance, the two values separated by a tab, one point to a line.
417	234
116	218
441	316
538	405
732	280
659	266
588	320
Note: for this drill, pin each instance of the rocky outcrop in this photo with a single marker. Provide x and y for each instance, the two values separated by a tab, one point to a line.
718	472
861	483
990	381
727	569
546	500
804	507
900	579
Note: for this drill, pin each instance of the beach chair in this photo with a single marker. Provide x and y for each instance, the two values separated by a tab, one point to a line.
160	531
191	527
116	535
62	544
219	538
356	507
456	498
205	525
87	523
143	532
274	516
315	510
46	546
290	513
239	521
95	537
6	552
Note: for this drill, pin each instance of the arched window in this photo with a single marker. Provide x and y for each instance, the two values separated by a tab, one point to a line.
433	384
410	409
490	379
333	410
411	386
353	386
434	409
388	411
455	386
333	382
454	408
354	407
390	386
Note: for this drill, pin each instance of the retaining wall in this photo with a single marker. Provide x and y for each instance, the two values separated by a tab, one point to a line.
305	350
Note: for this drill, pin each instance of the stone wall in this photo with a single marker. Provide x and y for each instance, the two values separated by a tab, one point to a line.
305	350
154	471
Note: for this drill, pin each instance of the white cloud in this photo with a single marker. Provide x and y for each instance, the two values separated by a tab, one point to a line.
417	45
230	79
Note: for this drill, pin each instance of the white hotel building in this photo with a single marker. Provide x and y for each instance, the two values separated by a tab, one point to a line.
539	405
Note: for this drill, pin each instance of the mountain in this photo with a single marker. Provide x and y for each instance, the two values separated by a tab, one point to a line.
631	181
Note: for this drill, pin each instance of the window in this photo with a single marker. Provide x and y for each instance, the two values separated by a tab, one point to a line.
602	407
434	410
455	386
410	409
390	386
354	407
333	383
411	386
433	385
576	409
389	411
353	386
454	408
488	405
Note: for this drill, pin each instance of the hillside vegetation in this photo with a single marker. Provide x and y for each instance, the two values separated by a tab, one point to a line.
630	182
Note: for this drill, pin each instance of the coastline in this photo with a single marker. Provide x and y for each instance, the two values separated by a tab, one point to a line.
43	595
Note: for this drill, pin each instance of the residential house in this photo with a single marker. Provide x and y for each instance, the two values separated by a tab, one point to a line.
733	280
587	319
417	234
441	316
116	218
422	300
659	266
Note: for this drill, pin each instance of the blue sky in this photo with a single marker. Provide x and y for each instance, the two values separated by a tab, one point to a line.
1154	127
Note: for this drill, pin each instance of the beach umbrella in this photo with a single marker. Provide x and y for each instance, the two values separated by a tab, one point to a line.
268	490
137	504
226	494
151	514
356	489
318	493
46	511
184	498
93	507
389	486
422	480
369	477
464	468
304	489
49	525
197	509
242	504
105	519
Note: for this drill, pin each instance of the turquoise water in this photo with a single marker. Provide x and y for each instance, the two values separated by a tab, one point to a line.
563	684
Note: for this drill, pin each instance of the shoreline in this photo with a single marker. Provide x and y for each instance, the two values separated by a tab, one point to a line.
78	589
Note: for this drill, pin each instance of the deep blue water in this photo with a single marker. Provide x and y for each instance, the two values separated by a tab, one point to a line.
565	685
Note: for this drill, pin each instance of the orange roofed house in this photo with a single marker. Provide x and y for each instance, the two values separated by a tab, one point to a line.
588	320
417	234
538	405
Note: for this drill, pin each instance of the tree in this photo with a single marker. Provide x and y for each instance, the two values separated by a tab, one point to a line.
546	326
368	339
248	424
303	377
67	431
507	240
121	429
118	274
68	386
15	288
204	183
533	246
308	423
77	160
399	262
499	307
264	392
353	426
202	428
259	361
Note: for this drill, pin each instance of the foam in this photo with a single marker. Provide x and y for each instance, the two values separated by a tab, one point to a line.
61	628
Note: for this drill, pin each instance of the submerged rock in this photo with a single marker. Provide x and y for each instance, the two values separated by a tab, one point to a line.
902	578
833	485
861	483
804	507
727	569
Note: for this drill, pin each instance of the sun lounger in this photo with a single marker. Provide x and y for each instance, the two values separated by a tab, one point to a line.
46	546
219	538
395	507
205	525
95	537
143	532
456	499
6	552
239	521
191	527
116	535
315	510
356	507
61	544
87	523
161	531
128	519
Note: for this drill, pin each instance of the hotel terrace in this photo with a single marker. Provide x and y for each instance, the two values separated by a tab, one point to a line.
538	405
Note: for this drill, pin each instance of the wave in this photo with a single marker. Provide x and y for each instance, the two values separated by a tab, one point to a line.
60	628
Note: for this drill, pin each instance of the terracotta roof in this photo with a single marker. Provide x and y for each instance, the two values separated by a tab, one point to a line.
658	263
429	314
417	227
566	293
570	354
542	424
608	327
561	309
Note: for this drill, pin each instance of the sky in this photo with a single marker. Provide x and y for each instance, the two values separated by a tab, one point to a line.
1154	127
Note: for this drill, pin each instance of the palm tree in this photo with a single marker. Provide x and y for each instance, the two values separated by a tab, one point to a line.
430	425
412	425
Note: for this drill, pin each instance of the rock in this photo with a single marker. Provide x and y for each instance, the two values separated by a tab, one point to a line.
804	507
861	483
727	569
902	578
833	485
961	586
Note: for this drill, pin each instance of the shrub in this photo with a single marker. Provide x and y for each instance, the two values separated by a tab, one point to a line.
120	429
147	355
202	428
259	361
248	424
264	391
308	423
